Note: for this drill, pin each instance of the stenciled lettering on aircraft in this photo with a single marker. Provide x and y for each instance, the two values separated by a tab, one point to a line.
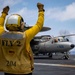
60	46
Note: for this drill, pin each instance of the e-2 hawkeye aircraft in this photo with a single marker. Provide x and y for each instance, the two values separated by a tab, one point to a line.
47	45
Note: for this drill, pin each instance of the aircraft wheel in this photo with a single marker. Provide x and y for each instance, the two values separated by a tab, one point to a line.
66	57
50	55
36	54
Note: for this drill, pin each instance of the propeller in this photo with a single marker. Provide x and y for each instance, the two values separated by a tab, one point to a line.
46	28
43	29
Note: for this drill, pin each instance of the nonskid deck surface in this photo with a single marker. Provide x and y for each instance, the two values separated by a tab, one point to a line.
55	66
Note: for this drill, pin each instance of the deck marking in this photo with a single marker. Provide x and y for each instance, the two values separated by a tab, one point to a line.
58	65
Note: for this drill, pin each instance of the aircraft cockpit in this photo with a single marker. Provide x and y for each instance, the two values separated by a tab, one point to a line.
63	40
60	39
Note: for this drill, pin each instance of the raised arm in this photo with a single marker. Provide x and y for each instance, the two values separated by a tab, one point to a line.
39	24
2	18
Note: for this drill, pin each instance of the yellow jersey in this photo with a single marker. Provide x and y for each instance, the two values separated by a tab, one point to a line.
16	56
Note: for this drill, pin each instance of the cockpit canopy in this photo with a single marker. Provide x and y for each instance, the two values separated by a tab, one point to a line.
60	39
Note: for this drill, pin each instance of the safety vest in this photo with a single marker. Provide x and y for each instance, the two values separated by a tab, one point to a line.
13	54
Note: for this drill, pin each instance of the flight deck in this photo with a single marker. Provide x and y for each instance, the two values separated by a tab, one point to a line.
55	66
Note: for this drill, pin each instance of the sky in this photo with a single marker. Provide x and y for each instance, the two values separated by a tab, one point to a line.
59	14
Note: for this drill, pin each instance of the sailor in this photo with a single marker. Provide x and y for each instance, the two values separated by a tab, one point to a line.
16	56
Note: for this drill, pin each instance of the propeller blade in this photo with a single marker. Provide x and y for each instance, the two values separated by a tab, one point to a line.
43	29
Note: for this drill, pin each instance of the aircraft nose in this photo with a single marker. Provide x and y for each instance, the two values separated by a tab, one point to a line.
72	45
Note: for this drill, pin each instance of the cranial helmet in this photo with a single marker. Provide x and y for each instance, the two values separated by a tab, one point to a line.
13	22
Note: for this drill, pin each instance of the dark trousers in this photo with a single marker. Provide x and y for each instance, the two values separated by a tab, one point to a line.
17	74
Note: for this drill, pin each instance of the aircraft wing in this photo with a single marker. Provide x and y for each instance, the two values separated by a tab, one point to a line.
66	35
42	38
